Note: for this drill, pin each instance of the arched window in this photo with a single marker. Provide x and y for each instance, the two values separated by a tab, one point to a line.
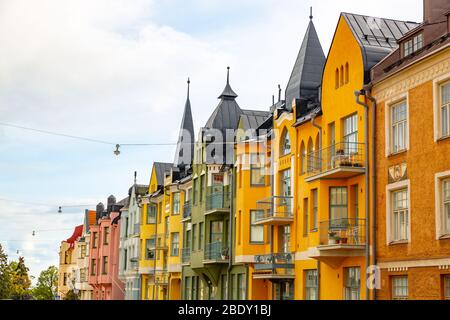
342	76
337	78
285	143
311	158
304	159
346	73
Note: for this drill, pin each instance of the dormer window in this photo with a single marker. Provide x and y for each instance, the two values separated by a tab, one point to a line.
412	45
285	143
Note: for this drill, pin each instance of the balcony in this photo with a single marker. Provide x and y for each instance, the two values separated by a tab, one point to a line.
136	229
216	252
134	264
187	211
162	278
341	238
274	266
276	210
185	256
339	161
218	201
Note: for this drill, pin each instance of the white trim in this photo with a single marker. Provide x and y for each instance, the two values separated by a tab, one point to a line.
436	105
244	259
387	121
438	178
442	264
389	189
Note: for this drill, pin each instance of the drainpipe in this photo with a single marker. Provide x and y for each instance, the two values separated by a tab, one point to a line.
373	184
313	122
230	234
366	147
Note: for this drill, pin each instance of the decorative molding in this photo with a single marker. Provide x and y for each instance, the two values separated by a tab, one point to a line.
395	266
398	173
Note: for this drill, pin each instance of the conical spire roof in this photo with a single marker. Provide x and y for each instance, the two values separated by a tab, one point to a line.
306	75
185	145
228	93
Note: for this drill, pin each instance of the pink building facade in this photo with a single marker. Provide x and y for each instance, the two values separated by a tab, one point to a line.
104	253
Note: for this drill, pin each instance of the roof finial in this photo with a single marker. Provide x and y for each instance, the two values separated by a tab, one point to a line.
135	177
228	75
188	86
279	93
310	13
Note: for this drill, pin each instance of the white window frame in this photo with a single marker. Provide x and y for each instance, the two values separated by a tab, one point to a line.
437	83
389	149
393	282
439	204
390	189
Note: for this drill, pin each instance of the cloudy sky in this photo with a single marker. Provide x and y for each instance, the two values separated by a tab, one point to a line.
116	70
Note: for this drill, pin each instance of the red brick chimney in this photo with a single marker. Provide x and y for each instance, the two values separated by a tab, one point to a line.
435	10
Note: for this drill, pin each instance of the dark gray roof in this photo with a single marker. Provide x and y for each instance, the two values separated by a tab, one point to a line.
184	153
252	119
161	168
141	189
306	75
376	36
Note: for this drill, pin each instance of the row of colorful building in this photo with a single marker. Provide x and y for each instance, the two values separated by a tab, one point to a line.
341	190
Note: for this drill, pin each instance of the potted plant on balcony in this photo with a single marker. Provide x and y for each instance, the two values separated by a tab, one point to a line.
343	240
333	238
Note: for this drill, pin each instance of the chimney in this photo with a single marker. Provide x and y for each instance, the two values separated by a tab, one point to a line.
110	203
99	211
435	10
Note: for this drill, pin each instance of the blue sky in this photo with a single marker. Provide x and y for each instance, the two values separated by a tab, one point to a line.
116	70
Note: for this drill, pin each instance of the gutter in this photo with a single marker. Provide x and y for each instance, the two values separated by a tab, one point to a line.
230	234
366	150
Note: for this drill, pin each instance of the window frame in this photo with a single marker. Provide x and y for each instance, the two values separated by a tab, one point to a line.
285	143
446	286
176	203
400	230
257	167
105	265
350	138
315	210
338	205
390	189
175	244
253	226
151	248
394	287
151	207
311	286
351	288
443	106
106	233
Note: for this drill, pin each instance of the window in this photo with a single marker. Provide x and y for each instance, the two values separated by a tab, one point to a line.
175	244
342	76
257	174
399	127
105	265
311	157
304	159
351	134
201	236
446	204
352	283
337	78
355	195
400	223
106	235
187	288
241	286
125	259
338	204
346	73
82	251
94	240
150	249
83	275
285	143
194	237
195	288
400	288
445	109
216	231
67	257
166	227
305	217
286	183
446	282
311	285
151	214
202	186
224	287
176	203
195	187
256	231
412	45
315	211
93	267
65	279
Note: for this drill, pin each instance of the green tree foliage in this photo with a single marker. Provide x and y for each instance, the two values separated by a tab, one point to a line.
71	295
5	276
47	284
21	282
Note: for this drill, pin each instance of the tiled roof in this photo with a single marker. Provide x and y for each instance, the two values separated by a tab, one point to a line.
76	234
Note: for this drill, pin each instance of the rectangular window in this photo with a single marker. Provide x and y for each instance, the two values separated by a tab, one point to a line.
105	265
194	238
412	45
93	267
446	205
399	127
445	110
175	245
176	203
201	237
224	287
195	288
83	275
305	217
351	134
286	183
315	212
216	231
400	219
195	192
202	186
338	205
256	231
106	236
446	283
150	249
151	213
257	170
352	287
166	227
355	191
94	240
82	251
241	286
187	288
400	288
311	285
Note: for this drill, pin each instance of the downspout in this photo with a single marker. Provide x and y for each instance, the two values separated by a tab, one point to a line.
314	124
366	150
272	192
230	234
373	184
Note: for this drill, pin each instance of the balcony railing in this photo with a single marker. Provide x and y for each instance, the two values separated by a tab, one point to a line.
275	210
161	278
161	242
218	201
187	210
275	265
341	160
216	252
343	232
185	255
134	264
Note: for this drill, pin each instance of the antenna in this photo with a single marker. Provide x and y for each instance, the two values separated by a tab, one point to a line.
279	93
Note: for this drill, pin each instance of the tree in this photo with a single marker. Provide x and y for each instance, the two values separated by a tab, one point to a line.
71	295
5	276
21	282
47	284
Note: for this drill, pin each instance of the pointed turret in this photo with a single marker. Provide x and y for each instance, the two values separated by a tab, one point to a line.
185	146
228	93
306	75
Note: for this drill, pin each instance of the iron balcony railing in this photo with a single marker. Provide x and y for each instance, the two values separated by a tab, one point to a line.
218	200
216	251
275	207
161	278
345	231
278	263
187	210
185	255
339	155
